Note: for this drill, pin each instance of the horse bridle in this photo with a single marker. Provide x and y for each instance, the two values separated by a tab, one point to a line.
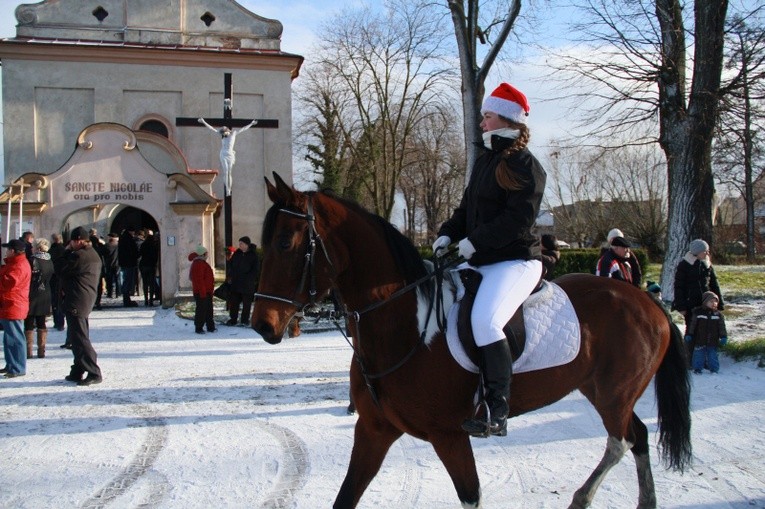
309	265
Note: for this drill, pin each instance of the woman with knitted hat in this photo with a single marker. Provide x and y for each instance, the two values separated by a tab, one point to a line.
694	276
492	226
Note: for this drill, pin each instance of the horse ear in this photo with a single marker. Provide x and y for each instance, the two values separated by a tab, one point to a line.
281	192
273	194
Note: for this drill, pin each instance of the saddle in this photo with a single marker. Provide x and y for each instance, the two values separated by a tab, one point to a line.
514	329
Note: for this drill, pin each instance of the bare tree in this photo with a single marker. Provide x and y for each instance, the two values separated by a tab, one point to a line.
392	67
578	196
433	180
468	32
635	61
738	143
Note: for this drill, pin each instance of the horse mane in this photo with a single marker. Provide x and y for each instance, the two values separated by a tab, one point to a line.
405	256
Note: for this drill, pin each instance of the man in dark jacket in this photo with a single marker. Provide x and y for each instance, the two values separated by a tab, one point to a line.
127	256
79	271
244	268
56	251
147	265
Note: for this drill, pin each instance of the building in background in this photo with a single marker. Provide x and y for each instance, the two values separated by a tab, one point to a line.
92	91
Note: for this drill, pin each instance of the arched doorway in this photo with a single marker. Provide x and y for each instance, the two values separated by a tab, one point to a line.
131	216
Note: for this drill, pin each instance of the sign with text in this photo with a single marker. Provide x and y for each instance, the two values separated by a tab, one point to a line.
103	191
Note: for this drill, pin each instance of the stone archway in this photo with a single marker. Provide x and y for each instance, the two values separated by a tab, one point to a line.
107	173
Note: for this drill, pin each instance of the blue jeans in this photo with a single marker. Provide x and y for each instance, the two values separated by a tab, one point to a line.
708	354
14	346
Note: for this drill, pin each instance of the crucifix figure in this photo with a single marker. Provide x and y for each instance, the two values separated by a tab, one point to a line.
227	127
227	154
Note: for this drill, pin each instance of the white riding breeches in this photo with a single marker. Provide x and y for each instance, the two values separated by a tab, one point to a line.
504	287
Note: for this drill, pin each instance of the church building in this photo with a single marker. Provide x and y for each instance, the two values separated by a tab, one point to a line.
101	101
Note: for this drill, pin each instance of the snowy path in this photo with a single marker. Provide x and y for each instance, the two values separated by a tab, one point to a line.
225	420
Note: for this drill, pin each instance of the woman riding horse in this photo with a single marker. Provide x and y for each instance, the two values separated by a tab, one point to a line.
494	220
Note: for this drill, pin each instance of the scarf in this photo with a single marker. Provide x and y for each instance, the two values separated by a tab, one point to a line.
505	132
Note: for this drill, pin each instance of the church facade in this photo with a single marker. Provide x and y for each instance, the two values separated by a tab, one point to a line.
93	97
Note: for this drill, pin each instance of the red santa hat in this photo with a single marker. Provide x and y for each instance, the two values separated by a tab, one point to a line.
509	102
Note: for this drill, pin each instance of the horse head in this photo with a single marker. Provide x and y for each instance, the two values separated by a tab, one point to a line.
297	271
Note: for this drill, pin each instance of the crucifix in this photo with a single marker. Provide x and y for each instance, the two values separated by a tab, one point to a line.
228	128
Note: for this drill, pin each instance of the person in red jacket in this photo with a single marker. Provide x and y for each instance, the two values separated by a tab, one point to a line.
15	277
202	285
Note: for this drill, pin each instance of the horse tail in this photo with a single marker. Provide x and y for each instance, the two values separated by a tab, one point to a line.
673	394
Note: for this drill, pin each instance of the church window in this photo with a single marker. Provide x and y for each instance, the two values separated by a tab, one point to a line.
100	13
155	126
208	18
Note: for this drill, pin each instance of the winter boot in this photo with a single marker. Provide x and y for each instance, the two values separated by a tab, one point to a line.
42	338
497	370
30	334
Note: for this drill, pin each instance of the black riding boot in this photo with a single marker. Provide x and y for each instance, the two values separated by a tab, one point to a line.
497	369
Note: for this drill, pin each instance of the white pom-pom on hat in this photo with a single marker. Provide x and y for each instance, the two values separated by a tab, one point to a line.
509	102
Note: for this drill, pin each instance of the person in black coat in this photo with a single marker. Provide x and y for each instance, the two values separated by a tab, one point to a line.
56	251
694	276
492	226
80	271
147	265
111	265
39	298
127	256
243	271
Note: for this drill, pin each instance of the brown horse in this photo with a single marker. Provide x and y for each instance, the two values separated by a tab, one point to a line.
402	383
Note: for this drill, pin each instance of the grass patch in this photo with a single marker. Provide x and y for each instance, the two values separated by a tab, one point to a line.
748	349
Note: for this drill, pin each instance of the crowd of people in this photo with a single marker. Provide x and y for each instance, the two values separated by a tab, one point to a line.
41	279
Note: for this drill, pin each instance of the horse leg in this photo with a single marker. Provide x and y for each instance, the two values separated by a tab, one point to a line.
647	498
456	454
371	442
615	450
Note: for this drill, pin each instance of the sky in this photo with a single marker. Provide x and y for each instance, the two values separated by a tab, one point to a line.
225	420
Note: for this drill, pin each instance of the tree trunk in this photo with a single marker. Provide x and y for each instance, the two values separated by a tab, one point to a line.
686	132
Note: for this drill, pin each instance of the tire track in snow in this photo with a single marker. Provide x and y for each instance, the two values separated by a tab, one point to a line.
293	472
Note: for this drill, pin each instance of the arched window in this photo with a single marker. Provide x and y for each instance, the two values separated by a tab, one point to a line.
155	126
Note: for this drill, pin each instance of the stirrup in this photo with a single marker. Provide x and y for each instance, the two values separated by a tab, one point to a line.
476	426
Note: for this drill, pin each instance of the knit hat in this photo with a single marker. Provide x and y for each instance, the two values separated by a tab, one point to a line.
200	250
698	246
508	102
615	232
619	242
79	233
707	296
245	239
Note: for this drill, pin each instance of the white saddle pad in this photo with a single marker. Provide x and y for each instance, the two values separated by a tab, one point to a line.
552	332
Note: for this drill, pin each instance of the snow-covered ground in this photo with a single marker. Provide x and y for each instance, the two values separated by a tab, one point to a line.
226	420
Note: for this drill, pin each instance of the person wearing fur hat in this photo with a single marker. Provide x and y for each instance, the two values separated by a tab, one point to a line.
243	270
202	286
492	226
618	263
706	333
39	298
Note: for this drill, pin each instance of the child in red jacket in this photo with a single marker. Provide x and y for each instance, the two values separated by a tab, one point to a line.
202	285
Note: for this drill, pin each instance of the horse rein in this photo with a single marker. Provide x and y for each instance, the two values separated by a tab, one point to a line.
312	309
